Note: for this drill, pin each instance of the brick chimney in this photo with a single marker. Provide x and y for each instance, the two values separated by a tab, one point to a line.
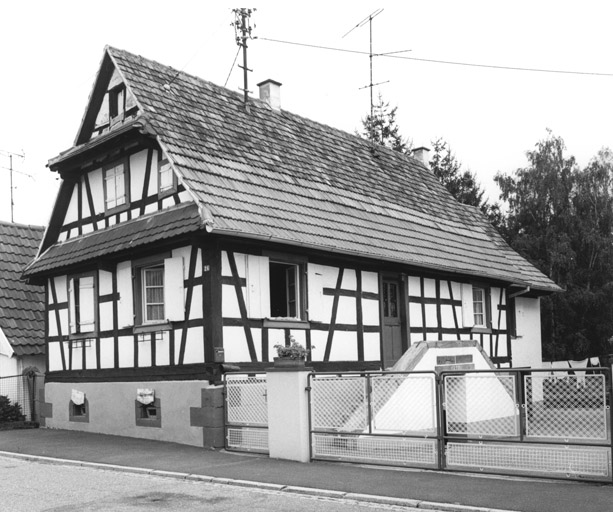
270	92
421	154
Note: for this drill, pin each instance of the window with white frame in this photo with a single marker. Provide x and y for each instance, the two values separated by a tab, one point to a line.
115	189
153	294
158	290
479	307
476	309
82	304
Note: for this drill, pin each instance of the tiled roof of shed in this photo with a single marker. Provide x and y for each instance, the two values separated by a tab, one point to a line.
278	176
22	306
150	228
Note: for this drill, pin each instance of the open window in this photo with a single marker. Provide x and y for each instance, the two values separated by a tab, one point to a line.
284	279
116	196
276	287
82	304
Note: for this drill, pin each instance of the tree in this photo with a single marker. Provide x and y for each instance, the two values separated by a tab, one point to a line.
561	219
462	184
381	127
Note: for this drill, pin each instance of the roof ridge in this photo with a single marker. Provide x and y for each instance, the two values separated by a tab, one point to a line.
20	225
238	95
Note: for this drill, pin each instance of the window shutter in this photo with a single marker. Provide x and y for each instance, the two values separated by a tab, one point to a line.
72	314
174	297
87	304
125	306
258	287
468	317
315	293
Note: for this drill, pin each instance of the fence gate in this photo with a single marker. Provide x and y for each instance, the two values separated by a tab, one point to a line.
381	418
527	422
535	423
246	412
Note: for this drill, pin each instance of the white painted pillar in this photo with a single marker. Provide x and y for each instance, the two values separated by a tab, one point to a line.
288	413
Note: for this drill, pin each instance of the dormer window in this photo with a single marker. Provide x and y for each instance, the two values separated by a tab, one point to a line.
115	186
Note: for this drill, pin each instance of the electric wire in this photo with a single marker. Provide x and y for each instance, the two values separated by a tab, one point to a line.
392	55
232	67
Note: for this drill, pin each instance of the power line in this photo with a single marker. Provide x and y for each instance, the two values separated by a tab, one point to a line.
393	55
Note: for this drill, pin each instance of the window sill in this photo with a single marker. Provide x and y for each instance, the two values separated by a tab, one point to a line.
481	330
83	335
145	328
117	209
286	323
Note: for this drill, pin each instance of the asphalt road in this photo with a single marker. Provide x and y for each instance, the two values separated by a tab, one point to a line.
36	487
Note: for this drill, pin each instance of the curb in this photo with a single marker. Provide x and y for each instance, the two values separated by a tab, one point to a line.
307	491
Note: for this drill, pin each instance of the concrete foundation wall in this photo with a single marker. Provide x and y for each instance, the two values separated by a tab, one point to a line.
189	411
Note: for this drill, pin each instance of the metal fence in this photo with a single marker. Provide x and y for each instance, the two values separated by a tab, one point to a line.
246	412
529	422
383	418
20	390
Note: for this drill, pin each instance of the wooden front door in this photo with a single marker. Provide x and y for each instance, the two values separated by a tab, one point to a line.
392	306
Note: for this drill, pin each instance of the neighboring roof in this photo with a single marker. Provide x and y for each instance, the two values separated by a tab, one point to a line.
147	229
273	175
22	306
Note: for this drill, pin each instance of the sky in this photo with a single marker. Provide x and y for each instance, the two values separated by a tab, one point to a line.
50	53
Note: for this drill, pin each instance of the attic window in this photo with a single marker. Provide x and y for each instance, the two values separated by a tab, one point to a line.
167	182
117	102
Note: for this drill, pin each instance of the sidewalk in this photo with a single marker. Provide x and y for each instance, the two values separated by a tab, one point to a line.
426	489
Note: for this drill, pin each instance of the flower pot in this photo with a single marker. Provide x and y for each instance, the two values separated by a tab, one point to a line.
288	362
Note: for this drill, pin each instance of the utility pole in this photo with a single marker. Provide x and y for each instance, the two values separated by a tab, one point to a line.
242	32
10	154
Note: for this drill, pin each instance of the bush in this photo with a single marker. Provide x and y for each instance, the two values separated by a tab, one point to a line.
8	411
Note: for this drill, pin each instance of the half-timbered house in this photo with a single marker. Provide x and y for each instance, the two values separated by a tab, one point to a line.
192	229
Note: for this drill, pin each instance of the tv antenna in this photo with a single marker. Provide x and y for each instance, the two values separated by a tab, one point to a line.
242	32
371	86
10	155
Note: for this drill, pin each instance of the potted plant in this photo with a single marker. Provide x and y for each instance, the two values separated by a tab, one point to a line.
291	355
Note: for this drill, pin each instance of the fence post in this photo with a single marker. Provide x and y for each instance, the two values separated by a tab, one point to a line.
288	413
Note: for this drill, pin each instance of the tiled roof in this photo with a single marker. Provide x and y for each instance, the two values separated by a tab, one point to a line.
147	229
278	176
22	306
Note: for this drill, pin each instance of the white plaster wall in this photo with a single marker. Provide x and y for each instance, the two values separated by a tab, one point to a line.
55	357
72	212
194	346
370	282
95	183
370	312
526	348
112	409
107	353
372	346
344	346
9	366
